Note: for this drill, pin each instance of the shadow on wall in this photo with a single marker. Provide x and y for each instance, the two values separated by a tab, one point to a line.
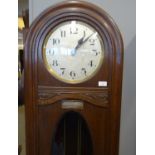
128	111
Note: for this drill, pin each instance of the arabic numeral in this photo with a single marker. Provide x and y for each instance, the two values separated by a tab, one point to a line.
62	71
72	74
84	71
56	41
55	63
91	63
92	41
95	51
63	34
74	31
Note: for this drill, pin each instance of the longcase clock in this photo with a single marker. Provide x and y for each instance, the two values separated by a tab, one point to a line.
73	79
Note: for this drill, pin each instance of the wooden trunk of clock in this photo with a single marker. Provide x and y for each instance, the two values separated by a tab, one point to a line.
80	118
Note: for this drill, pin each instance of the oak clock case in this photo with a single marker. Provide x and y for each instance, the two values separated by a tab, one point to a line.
73	76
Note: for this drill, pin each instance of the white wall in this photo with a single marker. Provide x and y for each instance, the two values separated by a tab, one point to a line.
124	14
122	11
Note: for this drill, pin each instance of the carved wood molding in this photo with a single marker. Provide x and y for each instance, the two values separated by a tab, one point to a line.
50	95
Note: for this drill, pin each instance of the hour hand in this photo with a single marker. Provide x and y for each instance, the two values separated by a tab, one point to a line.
81	41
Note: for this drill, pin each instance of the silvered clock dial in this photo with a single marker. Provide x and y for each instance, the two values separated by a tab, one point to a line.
73	52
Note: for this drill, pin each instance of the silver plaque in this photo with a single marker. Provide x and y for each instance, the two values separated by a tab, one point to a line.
72	104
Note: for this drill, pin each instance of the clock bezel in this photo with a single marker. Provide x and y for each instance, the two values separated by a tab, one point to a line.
93	22
54	73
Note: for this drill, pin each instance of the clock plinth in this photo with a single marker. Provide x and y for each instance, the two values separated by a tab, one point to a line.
73	77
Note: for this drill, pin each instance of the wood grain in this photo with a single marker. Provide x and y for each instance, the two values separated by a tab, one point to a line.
43	93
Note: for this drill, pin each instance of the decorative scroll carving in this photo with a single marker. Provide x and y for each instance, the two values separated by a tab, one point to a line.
103	97
95	96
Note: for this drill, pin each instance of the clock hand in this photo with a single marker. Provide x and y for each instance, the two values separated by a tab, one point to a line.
83	41
80	42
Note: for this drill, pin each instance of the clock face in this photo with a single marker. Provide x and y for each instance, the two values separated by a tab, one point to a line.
73	52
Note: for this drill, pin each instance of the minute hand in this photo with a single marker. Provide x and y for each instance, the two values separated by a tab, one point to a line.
84	41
